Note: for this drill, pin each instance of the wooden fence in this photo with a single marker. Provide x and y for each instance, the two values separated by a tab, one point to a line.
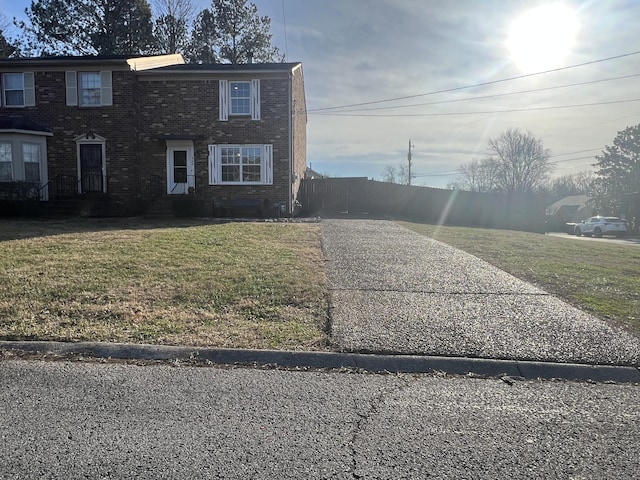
360	196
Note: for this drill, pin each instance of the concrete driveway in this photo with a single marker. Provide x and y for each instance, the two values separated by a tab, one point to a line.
395	291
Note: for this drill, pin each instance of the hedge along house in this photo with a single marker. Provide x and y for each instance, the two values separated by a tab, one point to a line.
127	133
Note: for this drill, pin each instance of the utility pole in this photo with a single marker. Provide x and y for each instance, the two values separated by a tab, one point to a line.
409	158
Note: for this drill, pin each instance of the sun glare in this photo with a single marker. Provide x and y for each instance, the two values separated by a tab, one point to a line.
542	38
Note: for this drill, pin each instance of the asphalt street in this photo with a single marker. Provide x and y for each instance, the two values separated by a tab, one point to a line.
395	291
91	420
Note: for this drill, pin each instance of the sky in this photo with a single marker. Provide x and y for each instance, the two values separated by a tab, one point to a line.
373	70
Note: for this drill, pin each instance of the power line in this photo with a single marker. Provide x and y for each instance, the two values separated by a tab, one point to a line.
482	97
487	112
482	84
446	173
284	23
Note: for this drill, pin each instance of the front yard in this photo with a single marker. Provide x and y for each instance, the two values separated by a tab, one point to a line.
244	285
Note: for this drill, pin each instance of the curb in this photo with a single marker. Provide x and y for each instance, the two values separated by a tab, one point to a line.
335	360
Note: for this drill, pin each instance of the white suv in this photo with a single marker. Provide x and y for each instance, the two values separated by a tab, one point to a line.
599	226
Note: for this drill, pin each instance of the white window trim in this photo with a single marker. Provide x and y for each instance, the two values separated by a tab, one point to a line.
72	80
224	105
11	161
266	164
28	90
16	140
39	162
186	145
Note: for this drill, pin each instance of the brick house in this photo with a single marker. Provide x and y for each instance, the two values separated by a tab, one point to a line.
133	133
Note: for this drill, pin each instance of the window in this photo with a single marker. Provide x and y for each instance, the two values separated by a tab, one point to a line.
239	98
241	164
89	83
18	89
31	158
6	169
89	89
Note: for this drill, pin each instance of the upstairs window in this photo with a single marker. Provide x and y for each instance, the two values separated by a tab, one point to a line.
18	89
239	99
89	89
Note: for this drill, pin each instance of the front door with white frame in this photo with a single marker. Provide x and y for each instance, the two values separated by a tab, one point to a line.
180	167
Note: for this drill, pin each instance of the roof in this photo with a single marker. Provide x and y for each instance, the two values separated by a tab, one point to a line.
229	68
134	62
577	201
19	124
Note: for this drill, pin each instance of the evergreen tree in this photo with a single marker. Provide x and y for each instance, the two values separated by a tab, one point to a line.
71	27
231	31
617	184
203	46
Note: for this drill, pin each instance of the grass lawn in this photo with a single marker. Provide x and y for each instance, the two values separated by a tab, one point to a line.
245	285
599	277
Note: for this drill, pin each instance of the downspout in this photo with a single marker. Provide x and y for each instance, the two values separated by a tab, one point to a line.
291	161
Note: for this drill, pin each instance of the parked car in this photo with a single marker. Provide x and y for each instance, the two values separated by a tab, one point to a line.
599	226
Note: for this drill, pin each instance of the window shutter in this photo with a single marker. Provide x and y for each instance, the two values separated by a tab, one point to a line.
224	100
267	155
71	79
255	99
106	89
213	165
29	90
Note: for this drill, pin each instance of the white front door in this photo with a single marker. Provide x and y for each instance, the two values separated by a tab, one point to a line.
180	167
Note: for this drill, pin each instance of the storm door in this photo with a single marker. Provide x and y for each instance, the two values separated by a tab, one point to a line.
91	168
180	168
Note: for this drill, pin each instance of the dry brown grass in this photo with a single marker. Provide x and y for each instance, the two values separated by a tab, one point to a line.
244	285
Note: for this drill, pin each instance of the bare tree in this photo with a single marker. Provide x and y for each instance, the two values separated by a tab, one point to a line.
389	174
522	162
477	175
575	184
171	26
399	175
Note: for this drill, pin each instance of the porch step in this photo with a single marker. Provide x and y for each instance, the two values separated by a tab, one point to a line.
63	207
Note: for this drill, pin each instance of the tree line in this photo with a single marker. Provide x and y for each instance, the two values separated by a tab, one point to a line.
228	31
518	162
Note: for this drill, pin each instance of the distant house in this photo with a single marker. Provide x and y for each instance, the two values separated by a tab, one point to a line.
569	209
133	132
311	174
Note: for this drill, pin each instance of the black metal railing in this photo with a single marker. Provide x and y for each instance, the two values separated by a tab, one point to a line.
93	183
156	186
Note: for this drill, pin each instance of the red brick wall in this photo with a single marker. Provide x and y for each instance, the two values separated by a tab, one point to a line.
147	109
176	107
116	123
